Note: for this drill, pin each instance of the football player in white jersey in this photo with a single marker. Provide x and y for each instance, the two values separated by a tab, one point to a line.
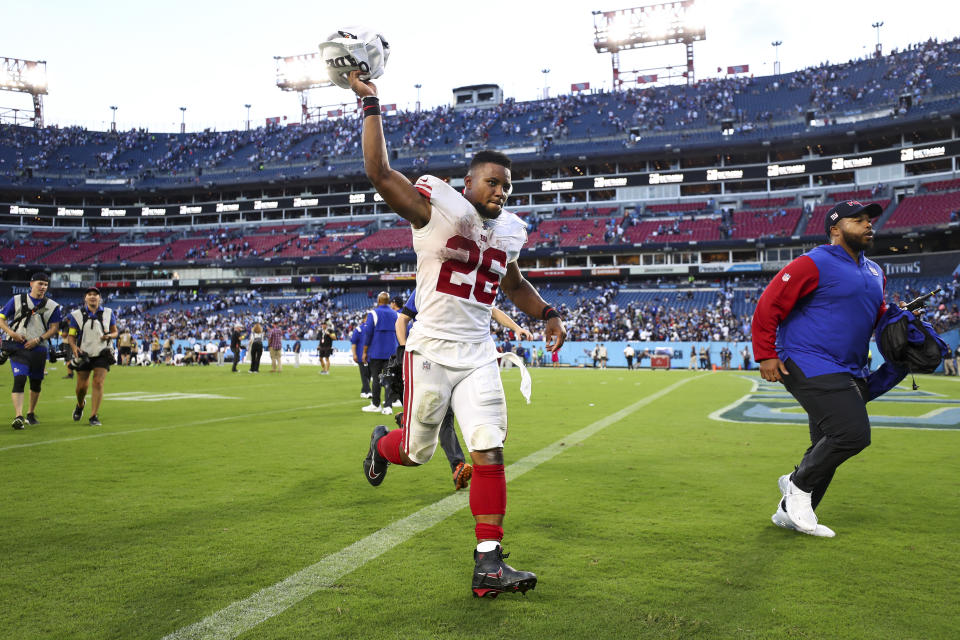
467	248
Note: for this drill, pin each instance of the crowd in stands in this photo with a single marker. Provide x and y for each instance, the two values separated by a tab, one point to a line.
591	312
750	102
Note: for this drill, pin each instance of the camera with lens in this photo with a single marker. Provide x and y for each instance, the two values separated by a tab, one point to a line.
392	375
7	348
59	352
79	362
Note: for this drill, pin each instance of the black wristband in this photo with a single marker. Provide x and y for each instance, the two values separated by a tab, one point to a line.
549	312
371	106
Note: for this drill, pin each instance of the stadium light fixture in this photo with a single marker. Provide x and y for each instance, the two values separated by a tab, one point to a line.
546	89
655	25
26	76
183	119
418	86
300	73
248	116
877	25
776	56
113	121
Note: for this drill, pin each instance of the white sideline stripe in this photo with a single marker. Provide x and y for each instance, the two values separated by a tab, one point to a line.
243	615
196	423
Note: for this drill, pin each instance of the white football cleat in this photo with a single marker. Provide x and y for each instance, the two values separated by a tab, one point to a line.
366	395
387	411
781	519
397	404
371	408
798	505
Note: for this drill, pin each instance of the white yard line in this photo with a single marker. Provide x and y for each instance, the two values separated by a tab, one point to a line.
108	434
243	615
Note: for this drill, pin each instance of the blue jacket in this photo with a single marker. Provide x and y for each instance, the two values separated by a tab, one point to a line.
356	339
380	333
826	306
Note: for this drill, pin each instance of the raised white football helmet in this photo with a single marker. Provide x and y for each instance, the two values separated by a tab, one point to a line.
354	49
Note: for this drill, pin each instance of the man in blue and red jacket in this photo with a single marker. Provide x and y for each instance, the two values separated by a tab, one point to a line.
379	343
811	331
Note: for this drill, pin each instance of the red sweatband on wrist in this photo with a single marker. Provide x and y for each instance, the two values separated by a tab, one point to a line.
549	312
488	490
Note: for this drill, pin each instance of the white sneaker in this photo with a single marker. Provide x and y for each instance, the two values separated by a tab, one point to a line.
387	411
397	404
371	408
366	395
798	505
781	519
784	483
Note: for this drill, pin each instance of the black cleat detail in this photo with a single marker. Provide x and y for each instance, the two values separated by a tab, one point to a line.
492	576
375	465
77	413
32	418
17	423
95	421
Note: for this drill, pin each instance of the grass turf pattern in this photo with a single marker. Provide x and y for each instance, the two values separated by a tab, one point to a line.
656	526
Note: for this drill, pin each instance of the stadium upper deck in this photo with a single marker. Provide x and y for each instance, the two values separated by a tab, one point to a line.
119	204
903	86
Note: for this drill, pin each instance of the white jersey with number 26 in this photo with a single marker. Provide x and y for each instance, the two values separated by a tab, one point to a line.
460	260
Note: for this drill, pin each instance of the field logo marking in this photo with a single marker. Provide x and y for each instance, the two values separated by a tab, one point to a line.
243	615
771	403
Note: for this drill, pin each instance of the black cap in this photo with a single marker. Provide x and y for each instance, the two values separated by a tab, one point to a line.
94	289
849	209
40	275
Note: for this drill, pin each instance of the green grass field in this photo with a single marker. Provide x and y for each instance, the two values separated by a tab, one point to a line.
653	525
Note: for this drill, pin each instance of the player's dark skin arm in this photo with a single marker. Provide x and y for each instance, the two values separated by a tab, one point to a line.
396	190
525	296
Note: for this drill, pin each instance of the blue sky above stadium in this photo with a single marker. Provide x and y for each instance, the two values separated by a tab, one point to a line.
213	57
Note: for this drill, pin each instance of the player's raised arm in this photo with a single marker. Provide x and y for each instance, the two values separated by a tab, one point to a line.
525	296
392	185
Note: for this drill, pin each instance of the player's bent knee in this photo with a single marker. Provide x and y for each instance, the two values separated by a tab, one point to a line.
489	456
407	462
19	383
35	384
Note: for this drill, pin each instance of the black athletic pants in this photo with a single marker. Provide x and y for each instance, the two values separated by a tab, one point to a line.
839	425
364	378
449	442
377	365
256	352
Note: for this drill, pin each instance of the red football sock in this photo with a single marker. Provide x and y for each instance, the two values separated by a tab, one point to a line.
485	531
488	496
389	446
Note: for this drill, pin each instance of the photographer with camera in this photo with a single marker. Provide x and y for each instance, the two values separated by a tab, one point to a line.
325	346
34	319
92	327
